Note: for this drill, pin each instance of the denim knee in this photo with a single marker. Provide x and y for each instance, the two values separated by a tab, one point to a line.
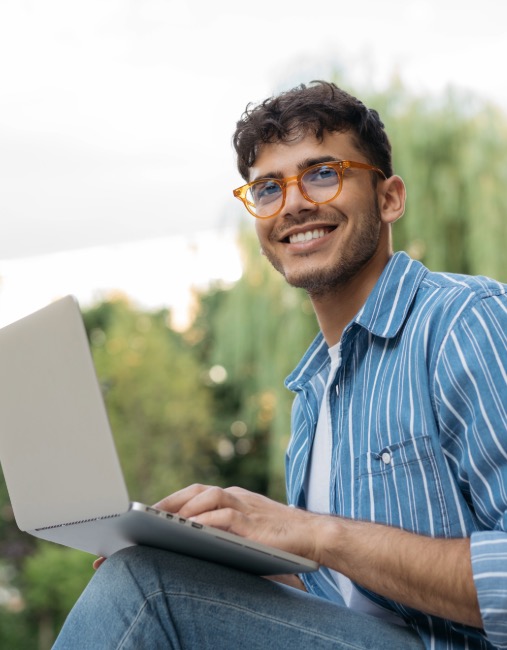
130	556
138	564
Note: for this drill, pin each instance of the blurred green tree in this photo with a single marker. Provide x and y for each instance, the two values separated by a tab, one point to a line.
52	580
157	402
451	151
256	331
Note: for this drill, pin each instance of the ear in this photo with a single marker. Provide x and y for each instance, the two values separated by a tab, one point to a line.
391	199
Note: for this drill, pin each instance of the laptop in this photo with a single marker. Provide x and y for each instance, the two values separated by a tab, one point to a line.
60	463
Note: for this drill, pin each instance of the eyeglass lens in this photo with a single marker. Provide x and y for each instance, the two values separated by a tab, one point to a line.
320	184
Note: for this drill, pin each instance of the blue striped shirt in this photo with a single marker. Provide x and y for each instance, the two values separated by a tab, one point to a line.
419	419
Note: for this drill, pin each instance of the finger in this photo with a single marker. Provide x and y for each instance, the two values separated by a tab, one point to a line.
226	519
175	501
213	498
98	562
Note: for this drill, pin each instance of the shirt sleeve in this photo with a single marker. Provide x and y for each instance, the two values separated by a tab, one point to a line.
489	565
471	390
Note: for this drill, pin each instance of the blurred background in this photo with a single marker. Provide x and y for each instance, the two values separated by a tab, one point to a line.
116	178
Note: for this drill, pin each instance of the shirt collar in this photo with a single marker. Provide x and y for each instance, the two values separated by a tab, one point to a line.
387	306
383	313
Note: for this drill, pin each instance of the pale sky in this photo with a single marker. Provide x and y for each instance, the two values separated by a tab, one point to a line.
116	115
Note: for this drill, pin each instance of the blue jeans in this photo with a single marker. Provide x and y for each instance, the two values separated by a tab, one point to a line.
148	598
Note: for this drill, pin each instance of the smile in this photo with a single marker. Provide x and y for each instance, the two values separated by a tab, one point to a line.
308	235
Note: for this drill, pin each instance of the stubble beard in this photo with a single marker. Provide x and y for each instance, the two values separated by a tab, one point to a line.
319	281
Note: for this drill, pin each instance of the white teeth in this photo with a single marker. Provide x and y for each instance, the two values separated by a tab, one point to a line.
306	236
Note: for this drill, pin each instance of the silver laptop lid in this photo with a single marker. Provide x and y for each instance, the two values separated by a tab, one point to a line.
56	447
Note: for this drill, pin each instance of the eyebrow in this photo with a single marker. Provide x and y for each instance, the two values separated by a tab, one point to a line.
303	164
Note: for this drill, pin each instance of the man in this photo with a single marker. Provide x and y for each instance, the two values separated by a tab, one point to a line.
397	465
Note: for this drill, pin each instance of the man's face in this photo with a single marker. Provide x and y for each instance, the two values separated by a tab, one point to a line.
345	233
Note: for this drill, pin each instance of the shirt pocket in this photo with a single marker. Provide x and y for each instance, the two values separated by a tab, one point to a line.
400	485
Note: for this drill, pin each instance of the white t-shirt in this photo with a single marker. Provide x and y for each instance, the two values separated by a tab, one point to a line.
318	495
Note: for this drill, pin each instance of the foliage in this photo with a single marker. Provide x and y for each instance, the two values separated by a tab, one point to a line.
157	403
16	631
53	579
243	449
14	545
451	152
260	329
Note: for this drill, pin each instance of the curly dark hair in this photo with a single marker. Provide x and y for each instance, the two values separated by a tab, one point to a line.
321	106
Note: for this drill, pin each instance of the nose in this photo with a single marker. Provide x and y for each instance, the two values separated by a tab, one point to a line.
295	202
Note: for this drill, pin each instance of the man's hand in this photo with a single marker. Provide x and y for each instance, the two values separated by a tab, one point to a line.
247	514
432	575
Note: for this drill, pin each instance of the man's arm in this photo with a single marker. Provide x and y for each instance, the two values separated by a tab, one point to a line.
431	575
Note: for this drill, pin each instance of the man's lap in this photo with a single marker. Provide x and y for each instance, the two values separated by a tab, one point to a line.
143	597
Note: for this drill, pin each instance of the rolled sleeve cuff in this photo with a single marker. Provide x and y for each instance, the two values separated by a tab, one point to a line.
489	566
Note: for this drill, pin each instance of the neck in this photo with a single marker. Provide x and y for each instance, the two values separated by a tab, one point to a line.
338	306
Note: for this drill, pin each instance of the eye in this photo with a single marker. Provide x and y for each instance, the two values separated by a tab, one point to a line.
265	191
323	175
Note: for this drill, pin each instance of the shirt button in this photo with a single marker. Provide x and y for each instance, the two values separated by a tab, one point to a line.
386	457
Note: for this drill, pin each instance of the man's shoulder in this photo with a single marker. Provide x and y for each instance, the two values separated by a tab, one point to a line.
456	287
481	285
408	294
448	303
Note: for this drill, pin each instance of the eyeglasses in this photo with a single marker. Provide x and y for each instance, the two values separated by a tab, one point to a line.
319	184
